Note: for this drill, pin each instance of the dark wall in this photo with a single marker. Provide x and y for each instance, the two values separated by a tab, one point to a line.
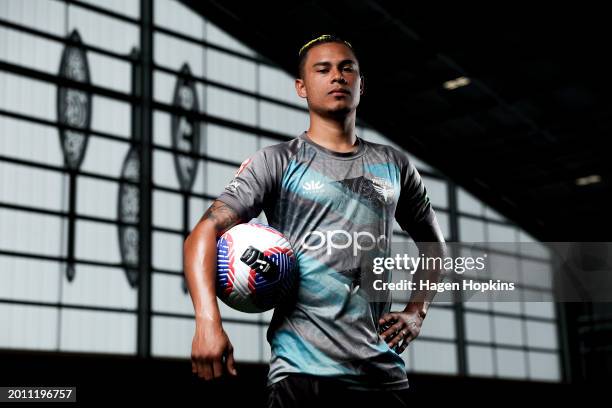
112	379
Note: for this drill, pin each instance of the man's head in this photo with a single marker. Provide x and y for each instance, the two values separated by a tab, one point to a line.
325	64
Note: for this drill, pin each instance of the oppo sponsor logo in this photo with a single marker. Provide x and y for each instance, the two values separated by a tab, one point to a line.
342	239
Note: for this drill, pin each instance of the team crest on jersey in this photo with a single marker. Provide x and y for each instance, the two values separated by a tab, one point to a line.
384	188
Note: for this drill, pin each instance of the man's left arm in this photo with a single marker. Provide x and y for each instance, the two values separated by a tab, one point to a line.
416	216
405	326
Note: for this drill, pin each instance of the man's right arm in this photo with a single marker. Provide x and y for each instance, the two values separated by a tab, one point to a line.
211	348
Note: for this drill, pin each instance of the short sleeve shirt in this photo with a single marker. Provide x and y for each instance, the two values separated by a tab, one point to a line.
330	206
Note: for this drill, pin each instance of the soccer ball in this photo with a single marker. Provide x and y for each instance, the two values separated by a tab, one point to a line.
256	267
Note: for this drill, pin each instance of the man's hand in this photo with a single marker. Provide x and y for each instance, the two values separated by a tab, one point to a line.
401	327
209	348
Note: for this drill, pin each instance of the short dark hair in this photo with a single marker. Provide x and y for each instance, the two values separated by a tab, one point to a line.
325	38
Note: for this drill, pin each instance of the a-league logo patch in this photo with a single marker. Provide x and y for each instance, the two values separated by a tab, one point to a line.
234	184
242	166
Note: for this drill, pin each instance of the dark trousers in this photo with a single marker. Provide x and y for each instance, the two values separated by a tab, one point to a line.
299	390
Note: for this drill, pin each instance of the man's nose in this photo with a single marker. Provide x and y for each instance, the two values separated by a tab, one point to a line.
338	77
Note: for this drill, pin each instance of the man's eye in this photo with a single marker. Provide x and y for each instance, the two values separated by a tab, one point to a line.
322	70
348	69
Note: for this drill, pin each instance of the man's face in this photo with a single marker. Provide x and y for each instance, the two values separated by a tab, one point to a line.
329	67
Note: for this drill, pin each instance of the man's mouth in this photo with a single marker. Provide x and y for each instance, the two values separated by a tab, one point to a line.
339	92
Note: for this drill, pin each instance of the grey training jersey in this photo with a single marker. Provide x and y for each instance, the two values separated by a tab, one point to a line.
332	207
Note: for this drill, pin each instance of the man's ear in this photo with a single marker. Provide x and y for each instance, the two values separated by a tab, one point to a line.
300	88
362	85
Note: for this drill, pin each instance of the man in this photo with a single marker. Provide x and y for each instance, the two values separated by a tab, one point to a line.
334	196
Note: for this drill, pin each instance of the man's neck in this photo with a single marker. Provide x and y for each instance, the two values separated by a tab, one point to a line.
333	134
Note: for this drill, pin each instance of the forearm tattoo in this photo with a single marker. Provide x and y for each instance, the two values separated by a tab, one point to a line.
222	215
